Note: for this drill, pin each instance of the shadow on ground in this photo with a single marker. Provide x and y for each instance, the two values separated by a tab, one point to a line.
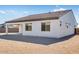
32	39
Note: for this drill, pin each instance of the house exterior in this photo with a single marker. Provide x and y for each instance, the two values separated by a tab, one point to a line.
52	24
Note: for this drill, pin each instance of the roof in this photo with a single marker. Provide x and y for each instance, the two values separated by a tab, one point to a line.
43	16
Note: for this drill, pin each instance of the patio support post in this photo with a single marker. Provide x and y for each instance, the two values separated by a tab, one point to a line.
6	29
20	29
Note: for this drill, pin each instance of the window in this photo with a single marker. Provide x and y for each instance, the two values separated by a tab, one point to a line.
28	27
45	26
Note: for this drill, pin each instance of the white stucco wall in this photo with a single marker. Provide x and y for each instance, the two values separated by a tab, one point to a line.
36	29
56	30
68	18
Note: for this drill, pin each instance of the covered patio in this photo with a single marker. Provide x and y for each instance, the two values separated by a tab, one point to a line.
15	28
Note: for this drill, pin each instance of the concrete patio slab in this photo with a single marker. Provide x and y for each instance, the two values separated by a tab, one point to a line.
33	39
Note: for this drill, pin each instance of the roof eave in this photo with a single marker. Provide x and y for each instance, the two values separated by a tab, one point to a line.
41	19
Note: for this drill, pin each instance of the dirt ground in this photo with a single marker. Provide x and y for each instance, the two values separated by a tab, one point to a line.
70	46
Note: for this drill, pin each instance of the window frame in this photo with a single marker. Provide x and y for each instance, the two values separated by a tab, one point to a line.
28	27
45	30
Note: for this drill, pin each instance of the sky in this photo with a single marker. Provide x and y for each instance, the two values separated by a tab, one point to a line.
10	12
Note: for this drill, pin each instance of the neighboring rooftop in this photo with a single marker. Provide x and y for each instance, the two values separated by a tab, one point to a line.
43	16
